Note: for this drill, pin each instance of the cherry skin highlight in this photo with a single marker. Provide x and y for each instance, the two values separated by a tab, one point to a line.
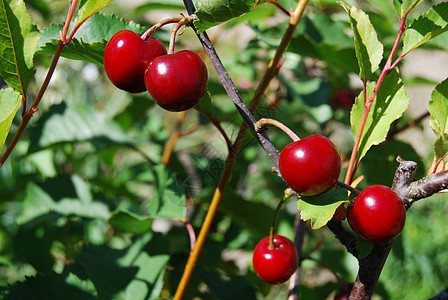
275	265
310	166
126	57
177	81
377	214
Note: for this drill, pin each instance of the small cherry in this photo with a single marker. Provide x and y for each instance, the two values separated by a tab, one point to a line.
176	81
126	57
310	166
343	98
377	214
275	261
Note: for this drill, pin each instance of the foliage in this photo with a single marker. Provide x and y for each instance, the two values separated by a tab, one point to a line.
89	209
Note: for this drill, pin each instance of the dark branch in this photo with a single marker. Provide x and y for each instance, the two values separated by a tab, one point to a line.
404	176
427	186
346	237
443	295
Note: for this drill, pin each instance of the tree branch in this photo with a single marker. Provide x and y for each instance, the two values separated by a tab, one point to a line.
443	295
346	237
427	186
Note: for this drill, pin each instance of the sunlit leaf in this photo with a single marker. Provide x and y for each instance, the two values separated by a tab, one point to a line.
126	221
320	209
369	51
18	40
388	105
427	26
89	8
214	12
438	108
169	201
9	103
403	7
89	41
76	123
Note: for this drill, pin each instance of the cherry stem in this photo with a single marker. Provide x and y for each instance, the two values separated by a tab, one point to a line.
191	234
168	150
287	194
259	126
348	187
183	21
158	25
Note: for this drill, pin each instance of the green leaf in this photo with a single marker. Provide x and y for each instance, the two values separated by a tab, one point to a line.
159	4
126	221
9	103
438	108
388	105
131	273
323	38
369	51
18	40
76	122
89	8
169	201
402	7
89	41
320	209
214	12
364	248
52	286
427	26
76	200
247	214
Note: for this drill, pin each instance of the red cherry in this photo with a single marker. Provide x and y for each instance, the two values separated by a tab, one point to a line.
310	166
377	214
343	98
126	57
176	81
275	265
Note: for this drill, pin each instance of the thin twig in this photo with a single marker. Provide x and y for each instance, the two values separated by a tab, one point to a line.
168	150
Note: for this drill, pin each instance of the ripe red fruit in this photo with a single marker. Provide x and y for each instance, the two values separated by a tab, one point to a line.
343	98
275	265
377	214
310	166
126	57
176	81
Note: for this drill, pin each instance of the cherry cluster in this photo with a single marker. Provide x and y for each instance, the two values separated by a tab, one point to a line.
311	166
176	81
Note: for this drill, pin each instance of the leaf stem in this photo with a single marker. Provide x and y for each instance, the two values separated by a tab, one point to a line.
70	13
183	21
354	160
276	4
30	112
168	150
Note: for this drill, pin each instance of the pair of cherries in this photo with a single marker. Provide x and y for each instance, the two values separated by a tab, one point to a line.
176	81
311	166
